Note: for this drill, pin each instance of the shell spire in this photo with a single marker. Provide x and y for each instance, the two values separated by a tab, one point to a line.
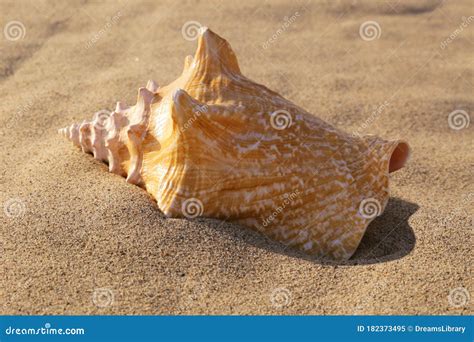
214	55
214	143
152	86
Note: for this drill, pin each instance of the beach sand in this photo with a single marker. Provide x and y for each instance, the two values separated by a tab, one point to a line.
76	239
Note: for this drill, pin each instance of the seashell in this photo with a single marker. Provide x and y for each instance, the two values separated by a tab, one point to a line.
215	144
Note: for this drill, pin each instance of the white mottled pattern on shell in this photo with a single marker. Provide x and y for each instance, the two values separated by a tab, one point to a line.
208	136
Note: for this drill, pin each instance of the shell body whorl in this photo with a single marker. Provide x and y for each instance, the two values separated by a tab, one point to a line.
238	151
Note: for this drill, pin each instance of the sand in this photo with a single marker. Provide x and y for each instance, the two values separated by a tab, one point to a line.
76	239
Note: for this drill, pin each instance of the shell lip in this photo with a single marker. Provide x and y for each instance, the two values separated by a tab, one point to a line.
386	153
400	156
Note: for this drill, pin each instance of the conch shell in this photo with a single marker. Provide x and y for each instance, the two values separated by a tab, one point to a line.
215	144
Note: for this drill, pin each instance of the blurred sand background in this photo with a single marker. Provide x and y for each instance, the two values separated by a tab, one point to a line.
76	239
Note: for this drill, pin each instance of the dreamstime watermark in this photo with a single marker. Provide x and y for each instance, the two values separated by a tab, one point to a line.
370	120
103	297
198	111
14	207
46	330
370	30
191	30
464	24
101	118
14	30
459	297
287	22
192	208
101	33
458	119
21	110
289	198
280	298
280	119
370	208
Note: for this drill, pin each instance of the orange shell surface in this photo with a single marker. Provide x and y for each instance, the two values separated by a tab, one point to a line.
215	144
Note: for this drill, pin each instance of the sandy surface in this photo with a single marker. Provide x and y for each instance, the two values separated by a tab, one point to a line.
83	241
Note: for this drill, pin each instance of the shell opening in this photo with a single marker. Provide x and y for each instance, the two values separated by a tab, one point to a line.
399	157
